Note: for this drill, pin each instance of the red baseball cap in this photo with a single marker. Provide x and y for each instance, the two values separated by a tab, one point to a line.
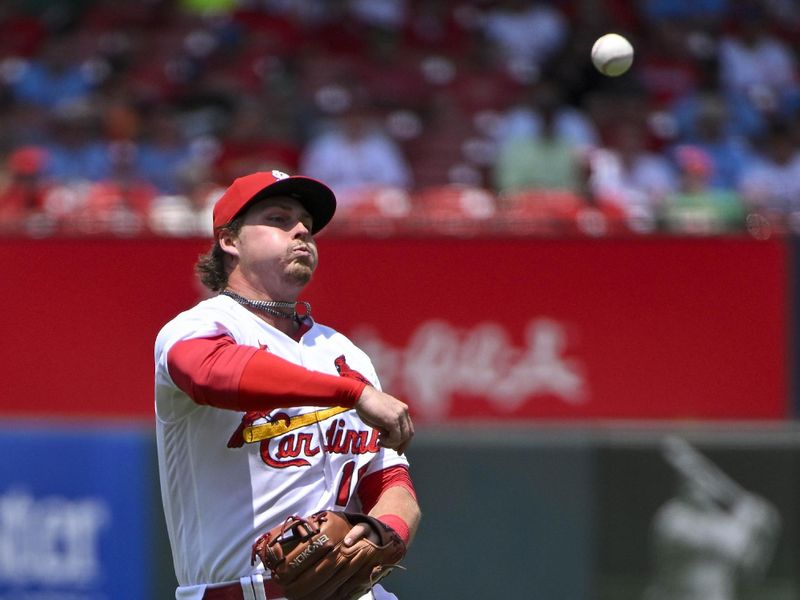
316	197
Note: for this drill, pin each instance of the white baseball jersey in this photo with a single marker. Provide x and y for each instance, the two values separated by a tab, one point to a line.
219	499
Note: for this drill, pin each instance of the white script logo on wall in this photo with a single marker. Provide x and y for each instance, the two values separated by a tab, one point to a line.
50	540
441	360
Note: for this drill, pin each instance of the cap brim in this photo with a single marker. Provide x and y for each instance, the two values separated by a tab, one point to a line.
316	197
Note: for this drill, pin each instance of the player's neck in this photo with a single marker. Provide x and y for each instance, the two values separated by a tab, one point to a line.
286	319
290	327
257	290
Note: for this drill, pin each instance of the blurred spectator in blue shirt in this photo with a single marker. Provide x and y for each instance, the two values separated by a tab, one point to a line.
118	203
54	77
163	151
77	152
728	153
699	12
743	119
384	14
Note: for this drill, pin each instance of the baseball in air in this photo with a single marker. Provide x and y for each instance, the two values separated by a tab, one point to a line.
612	54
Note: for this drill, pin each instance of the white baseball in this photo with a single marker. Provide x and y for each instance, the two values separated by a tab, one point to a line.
612	54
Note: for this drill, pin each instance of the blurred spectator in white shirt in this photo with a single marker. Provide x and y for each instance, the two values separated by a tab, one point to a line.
771	183
546	102
525	34
355	153
756	62
187	214
627	174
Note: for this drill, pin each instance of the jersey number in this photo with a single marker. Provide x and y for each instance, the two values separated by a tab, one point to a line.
345	485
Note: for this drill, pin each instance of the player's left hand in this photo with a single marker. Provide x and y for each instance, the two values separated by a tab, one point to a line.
361	531
311	559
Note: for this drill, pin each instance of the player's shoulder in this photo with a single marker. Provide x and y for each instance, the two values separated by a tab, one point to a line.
208	317
210	308
329	335
334	343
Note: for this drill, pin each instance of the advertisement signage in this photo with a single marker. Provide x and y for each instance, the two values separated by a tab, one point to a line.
462	329
76	513
568	329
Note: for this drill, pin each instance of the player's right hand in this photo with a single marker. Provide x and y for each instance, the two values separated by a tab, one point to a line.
388	415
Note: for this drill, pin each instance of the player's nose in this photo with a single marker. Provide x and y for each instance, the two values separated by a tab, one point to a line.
301	229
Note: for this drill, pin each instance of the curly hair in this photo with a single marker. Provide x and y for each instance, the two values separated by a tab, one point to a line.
210	267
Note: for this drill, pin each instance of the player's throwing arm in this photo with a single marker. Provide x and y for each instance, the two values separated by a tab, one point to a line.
388	415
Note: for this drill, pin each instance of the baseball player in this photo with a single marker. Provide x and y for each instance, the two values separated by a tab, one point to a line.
713	538
262	413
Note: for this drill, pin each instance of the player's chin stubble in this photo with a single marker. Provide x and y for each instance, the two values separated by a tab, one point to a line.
299	272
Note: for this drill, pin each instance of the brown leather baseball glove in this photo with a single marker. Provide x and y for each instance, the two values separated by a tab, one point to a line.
308	560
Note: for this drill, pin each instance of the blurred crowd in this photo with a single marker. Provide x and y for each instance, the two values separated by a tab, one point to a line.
130	118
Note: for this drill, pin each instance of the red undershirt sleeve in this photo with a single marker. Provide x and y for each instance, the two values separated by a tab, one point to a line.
374	484
219	372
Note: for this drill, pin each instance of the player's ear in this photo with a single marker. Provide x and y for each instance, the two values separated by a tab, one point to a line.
227	242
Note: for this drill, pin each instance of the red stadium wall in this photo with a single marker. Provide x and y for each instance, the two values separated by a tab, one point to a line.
462	329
